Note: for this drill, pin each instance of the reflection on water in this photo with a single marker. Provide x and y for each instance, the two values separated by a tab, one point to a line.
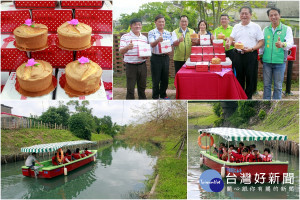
231	191
119	172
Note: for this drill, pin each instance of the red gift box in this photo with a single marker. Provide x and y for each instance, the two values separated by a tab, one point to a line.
227	63
52	18
202	67
219	49
217	43
196	57
12	19
215	67
56	56
99	20
207	57
196	49
102	55
222	56
81	4
208	49
35	4
11	57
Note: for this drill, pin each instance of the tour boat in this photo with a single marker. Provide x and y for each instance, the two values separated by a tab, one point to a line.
48	170
259	171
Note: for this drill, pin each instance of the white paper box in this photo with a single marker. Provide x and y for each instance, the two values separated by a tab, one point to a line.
106	40
144	50
10	93
204	40
189	63
61	94
165	46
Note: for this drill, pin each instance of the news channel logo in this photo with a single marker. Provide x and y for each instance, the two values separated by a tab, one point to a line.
211	181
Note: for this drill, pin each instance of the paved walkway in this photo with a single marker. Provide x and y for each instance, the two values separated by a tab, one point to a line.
120	93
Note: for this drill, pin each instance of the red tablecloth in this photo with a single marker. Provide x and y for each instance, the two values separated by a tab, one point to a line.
207	85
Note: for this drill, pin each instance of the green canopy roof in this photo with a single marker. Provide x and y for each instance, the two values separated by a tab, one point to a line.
41	148
235	134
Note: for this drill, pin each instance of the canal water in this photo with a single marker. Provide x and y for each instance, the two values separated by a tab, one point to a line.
231	191
120	172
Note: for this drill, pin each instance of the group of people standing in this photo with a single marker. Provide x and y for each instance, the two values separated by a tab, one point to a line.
272	44
242	153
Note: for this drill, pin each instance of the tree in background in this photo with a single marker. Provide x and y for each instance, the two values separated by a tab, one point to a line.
59	115
80	107
82	125
195	10
106	126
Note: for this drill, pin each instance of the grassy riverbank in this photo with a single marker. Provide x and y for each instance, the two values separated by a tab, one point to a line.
13	140
171	169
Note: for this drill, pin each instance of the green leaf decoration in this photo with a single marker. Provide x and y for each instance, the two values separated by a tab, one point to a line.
32	26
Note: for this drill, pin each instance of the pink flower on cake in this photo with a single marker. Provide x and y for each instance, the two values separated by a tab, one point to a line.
83	60
73	22
28	22
31	63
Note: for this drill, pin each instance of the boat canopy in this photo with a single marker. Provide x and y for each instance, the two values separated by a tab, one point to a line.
236	134
42	148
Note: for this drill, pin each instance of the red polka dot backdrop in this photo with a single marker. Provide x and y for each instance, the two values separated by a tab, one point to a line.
99	54
51	18
12	19
56	56
36	4
99	20
11	59
81	4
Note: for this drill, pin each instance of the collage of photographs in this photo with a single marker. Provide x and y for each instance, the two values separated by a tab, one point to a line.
149	99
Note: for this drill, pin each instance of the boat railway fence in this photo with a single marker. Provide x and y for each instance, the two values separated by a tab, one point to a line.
21	122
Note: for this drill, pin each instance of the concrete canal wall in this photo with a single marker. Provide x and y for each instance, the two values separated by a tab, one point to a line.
22	156
288	146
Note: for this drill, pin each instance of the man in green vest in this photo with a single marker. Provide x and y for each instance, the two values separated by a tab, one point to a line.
226	29
278	40
182	43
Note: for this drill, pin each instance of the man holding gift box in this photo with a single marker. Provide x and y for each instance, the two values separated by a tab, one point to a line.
136	69
245	61
278	40
160	58
182	43
223	32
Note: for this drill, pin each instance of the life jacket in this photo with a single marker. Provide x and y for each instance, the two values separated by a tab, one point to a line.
256	158
54	162
267	159
83	155
232	159
240	150
244	158
87	152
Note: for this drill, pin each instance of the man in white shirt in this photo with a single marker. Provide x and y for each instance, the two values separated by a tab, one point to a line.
136	69
245	61
278	40
159	61
30	162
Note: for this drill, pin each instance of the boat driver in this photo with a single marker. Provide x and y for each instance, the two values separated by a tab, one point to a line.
30	162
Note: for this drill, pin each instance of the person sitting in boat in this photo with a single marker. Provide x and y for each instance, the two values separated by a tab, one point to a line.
76	155
255	156
252	147
245	157
267	157
248	147
241	147
67	158
87	153
220	150
68	153
225	154
30	162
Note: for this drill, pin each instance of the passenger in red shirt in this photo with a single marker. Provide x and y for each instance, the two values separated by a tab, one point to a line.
76	155
87	153
255	156
245	157
241	147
